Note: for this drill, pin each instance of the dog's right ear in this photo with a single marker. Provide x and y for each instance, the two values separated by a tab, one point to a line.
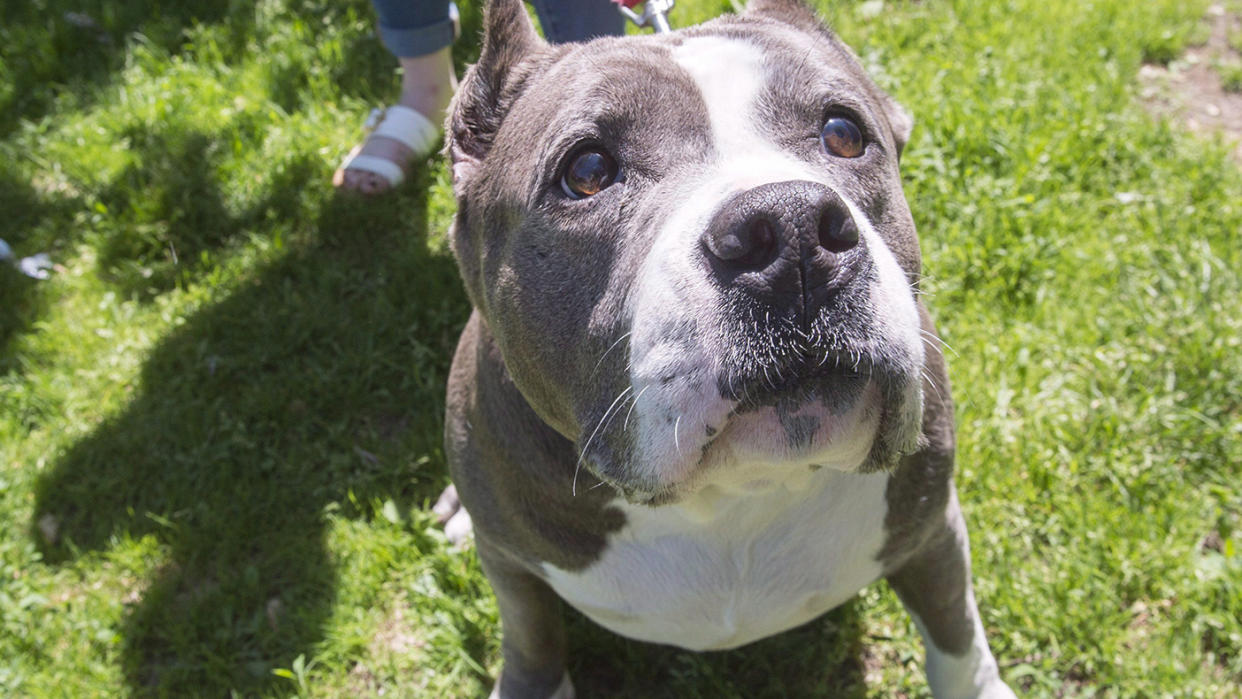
491	85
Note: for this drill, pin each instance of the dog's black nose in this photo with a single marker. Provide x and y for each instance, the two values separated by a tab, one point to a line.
790	244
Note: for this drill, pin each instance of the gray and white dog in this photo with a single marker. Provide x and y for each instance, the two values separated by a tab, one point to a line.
695	399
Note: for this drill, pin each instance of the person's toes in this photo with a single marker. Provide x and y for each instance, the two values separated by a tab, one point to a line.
371	183
366	182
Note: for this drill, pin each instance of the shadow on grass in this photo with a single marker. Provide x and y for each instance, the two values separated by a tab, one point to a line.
167	215
823	658
163	214
312	384
78	45
167	210
20	301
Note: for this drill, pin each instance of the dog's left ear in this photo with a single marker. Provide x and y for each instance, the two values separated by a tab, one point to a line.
490	87
795	12
899	122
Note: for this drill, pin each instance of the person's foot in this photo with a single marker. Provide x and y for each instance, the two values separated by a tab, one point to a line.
427	85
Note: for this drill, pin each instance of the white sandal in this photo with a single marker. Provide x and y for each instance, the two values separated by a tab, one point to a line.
403	125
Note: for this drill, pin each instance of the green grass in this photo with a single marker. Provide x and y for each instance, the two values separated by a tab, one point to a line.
1230	76
220	419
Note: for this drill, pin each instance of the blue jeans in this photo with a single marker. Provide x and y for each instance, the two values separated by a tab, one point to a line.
411	28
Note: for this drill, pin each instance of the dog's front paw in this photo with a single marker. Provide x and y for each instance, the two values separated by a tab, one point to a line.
564	691
450	513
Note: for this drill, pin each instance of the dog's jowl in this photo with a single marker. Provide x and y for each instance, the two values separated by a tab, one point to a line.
697	398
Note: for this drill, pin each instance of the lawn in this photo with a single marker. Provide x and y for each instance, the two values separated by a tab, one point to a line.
220	417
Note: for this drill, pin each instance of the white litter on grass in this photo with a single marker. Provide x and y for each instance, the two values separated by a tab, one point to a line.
35	266
871	9
49	527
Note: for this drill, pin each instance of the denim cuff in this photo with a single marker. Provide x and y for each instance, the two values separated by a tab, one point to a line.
582	20
408	42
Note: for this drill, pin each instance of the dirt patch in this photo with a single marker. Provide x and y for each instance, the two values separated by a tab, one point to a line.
394	650
394	636
1190	90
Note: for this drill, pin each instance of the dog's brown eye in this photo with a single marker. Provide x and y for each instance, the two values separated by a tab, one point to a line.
842	138
590	170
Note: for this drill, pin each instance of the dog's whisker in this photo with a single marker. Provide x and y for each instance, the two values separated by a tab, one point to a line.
633	404
940	341
582	454
676	441
605	354
932	382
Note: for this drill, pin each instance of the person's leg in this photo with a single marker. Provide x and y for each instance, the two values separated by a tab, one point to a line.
418	33
578	20
410	28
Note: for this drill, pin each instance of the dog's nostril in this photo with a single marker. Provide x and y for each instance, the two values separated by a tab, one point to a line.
728	246
748	245
837	231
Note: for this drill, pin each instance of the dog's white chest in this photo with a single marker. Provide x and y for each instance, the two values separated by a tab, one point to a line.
721	570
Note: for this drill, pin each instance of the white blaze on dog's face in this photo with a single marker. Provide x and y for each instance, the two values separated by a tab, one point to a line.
713	290
687	430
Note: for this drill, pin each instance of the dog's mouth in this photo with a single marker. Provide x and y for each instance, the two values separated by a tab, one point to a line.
806	408
836	378
777	438
760	402
773	428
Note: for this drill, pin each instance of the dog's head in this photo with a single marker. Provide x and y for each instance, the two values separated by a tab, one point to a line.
693	249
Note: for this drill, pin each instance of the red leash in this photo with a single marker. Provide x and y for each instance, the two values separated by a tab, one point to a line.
655	13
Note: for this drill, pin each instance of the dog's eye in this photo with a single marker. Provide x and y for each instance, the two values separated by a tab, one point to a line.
842	137
589	171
